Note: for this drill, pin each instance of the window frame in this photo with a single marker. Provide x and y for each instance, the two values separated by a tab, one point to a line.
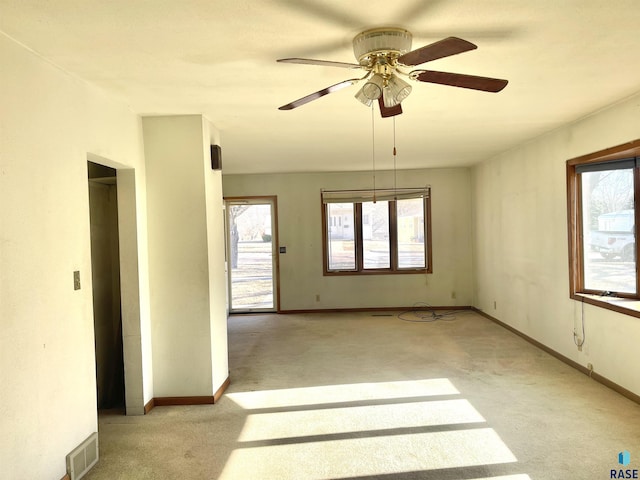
621	302
393	243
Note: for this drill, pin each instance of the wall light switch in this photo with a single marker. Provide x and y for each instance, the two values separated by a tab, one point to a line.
283	249
76	280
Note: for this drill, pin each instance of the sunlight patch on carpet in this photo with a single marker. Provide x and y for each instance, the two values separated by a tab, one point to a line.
267	426
342	393
369	456
364	429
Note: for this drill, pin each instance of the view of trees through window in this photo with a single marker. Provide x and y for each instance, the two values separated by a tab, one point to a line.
250	259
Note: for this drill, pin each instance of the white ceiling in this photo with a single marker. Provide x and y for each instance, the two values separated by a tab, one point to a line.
563	59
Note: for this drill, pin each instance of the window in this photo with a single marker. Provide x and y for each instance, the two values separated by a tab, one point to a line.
385	236
603	206
341	241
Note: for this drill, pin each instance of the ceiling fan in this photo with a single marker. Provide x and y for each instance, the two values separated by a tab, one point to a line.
386	56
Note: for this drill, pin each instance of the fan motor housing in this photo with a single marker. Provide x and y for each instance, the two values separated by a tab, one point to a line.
377	42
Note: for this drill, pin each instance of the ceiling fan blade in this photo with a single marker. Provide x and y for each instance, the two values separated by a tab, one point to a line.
324	63
320	93
440	49
389	111
485	84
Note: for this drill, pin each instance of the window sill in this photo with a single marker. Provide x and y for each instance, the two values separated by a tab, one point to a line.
627	306
377	272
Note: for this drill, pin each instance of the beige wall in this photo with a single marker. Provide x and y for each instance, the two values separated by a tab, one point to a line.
51	123
520	245
134	288
300	230
216	260
186	258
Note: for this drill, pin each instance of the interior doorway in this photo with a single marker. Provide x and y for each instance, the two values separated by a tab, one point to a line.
252	254
105	272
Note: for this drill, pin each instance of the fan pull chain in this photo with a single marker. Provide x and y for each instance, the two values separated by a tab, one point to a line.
395	177
373	152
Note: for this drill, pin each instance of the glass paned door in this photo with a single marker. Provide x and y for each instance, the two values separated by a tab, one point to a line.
251	254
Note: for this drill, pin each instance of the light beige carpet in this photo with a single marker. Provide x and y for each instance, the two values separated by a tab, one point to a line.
331	396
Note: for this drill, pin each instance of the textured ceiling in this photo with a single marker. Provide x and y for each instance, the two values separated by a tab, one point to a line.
563	59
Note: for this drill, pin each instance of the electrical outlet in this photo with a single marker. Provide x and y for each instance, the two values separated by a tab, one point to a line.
453	295
495	305
76	280
317	298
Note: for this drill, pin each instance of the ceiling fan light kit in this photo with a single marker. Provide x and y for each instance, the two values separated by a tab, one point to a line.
395	91
363	98
373	88
386	55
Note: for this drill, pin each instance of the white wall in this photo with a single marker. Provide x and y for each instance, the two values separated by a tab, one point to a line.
186	258
50	123
216	254
134	283
300	230
521	245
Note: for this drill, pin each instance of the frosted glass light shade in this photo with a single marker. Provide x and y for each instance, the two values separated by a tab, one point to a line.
381	39
362	98
373	88
388	99
395	91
